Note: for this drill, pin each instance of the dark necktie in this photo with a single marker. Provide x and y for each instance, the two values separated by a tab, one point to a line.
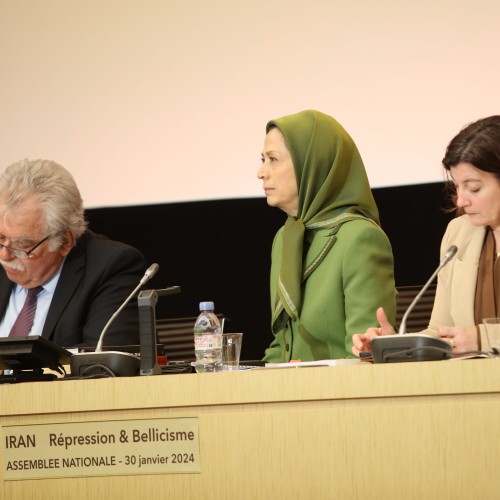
24	321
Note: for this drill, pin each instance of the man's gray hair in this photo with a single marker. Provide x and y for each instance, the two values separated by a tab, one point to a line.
54	188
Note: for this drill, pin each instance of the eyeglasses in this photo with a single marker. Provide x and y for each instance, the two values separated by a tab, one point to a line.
24	254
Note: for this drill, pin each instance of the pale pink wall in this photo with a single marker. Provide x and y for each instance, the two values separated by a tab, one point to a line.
151	101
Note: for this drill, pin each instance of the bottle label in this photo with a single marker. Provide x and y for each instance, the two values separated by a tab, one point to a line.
207	342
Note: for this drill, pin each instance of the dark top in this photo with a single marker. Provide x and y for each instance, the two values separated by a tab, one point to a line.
96	278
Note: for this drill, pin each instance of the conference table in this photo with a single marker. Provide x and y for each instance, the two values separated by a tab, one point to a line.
417	430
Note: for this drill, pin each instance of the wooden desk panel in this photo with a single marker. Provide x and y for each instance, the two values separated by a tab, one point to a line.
413	430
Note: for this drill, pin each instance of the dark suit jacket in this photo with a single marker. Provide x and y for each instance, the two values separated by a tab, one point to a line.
96	278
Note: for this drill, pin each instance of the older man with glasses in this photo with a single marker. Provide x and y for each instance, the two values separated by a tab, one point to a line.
59	279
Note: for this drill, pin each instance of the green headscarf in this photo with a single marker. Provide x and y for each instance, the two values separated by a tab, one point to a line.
333	189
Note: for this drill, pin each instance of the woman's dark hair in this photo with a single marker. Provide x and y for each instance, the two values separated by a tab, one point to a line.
477	144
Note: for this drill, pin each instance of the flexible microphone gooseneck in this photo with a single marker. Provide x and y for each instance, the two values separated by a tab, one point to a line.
150	272
115	363
448	255
413	346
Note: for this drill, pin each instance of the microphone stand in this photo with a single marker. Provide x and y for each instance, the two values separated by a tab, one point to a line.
112	363
413	346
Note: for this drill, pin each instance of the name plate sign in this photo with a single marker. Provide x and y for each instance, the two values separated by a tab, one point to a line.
102	448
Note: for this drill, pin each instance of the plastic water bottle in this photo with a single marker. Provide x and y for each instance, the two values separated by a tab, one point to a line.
207	340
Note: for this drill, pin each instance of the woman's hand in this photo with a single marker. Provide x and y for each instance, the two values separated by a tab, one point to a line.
363	341
462	339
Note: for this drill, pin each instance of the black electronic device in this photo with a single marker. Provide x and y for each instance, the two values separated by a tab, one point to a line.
409	347
25	358
146	302
404	346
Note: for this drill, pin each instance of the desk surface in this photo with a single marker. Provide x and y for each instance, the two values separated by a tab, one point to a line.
405	430
363	381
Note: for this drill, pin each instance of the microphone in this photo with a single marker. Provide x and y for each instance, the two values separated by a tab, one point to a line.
117	362
150	272
413	346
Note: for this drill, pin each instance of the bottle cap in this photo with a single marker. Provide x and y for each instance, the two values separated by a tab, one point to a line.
206	306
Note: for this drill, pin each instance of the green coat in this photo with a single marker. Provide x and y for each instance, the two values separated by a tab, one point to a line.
341	295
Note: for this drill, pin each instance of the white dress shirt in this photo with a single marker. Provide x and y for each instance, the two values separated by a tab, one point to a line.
16	302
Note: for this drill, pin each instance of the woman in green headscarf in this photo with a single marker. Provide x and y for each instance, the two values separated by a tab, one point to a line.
332	265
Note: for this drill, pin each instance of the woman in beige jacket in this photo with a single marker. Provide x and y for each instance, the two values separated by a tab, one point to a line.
468	287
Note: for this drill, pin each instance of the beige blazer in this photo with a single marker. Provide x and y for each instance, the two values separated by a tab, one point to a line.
456	288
